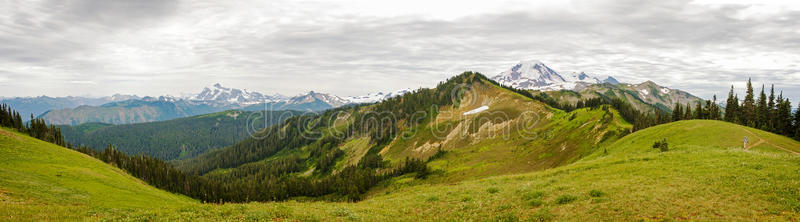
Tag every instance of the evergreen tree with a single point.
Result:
(731, 107)
(771, 109)
(677, 112)
(762, 111)
(748, 107)
(713, 109)
(688, 114)
(783, 116)
(797, 122)
(698, 110)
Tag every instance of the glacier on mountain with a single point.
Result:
(535, 75)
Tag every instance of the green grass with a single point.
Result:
(703, 176)
(39, 180)
(499, 141)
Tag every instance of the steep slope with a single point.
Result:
(644, 96)
(706, 177)
(177, 138)
(494, 131)
(42, 181)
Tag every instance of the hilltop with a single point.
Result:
(468, 127)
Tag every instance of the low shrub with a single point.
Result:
(596, 193)
(565, 199)
(661, 145)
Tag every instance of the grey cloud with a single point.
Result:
(674, 43)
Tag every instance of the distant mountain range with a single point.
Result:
(217, 98)
(535, 75)
(125, 109)
(28, 106)
(177, 138)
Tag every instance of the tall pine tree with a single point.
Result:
(677, 112)
(698, 110)
(731, 107)
(797, 122)
(783, 116)
(688, 114)
(762, 111)
(748, 107)
(771, 109)
(713, 109)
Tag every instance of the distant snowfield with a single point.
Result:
(479, 109)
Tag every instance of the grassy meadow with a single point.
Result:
(705, 175)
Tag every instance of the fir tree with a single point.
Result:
(783, 116)
(677, 112)
(698, 110)
(688, 114)
(731, 107)
(797, 122)
(748, 107)
(762, 111)
(713, 109)
(771, 109)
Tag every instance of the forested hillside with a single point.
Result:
(346, 151)
(178, 138)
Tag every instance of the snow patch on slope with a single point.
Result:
(477, 110)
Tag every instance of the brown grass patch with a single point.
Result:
(9, 134)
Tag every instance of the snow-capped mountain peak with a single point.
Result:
(535, 75)
(531, 73)
(219, 93)
(312, 96)
(376, 97)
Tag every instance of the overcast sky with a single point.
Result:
(353, 47)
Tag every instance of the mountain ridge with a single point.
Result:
(220, 98)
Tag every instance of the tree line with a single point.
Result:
(769, 113)
(35, 128)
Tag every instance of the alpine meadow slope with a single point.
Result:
(512, 134)
(697, 179)
(43, 181)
